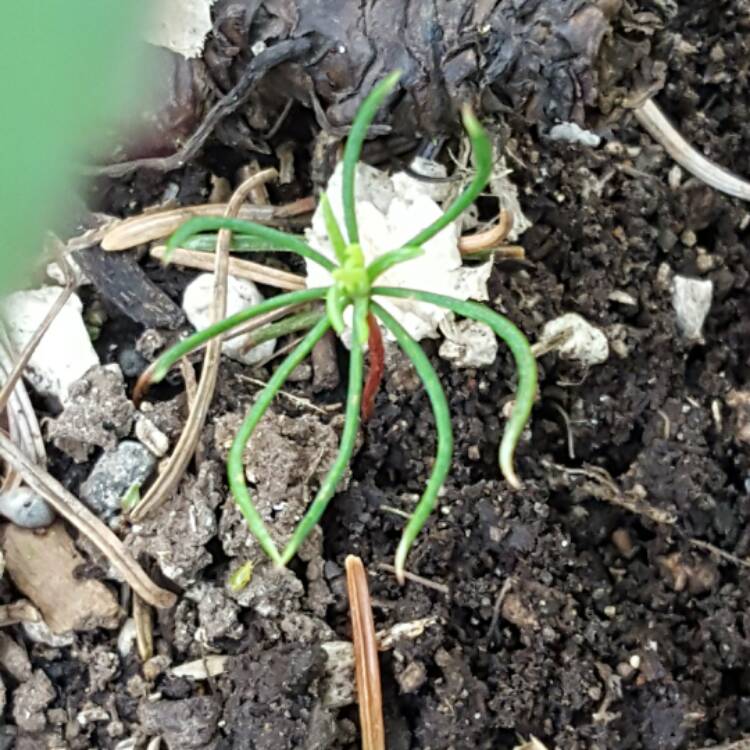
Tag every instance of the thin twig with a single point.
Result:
(482, 241)
(714, 550)
(299, 400)
(278, 352)
(441, 587)
(300, 321)
(242, 269)
(496, 609)
(606, 490)
(366, 664)
(568, 428)
(395, 511)
(77, 514)
(168, 480)
(279, 120)
(155, 226)
(656, 123)
(234, 98)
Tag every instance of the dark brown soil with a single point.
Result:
(567, 616)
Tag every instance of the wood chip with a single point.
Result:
(121, 281)
(43, 567)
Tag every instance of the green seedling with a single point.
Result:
(354, 284)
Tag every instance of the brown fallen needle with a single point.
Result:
(492, 239)
(366, 665)
(138, 230)
(243, 269)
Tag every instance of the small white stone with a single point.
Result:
(337, 684)
(691, 300)
(635, 661)
(468, 343)
(674, 178)
(151, 436)
(39, 632)
(211, 665)
(65, 352)
(585, 342)
(241, 294)
(570, 132)
(617, 295)
(126, 638)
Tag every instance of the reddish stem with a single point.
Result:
(376, 367)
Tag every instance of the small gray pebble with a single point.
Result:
(131, 363)
(25, 508)
(7, 737)
(113, 475)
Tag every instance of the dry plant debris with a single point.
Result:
(366, 664)
(73, 511)
(168, 479)
(656, 123)
(242, 269)
(157, 225)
